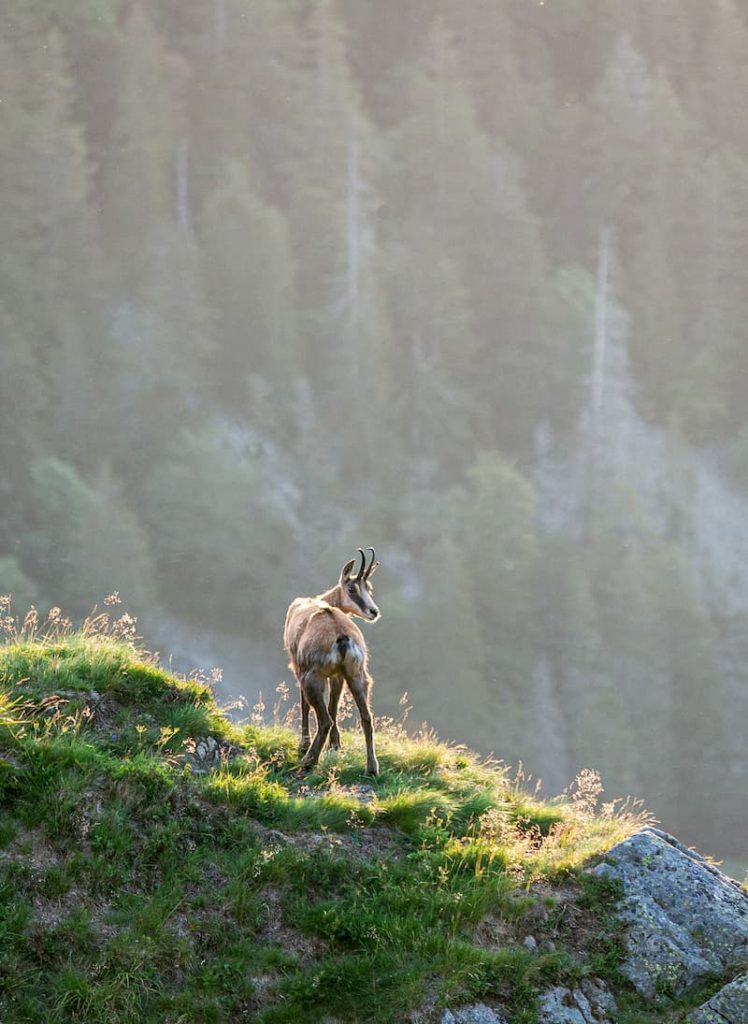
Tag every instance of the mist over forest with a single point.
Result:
(463, 281)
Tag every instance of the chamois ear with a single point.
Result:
(345, 572)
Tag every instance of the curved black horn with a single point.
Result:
(367, 574)
(363, 565)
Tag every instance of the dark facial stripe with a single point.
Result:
(355, 597)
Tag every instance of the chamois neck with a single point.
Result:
(331, 597)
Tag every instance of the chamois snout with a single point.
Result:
(355, 595)
(358, 601)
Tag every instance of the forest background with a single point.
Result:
(464, 281)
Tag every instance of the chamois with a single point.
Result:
(324, 643)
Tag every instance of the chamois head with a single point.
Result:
(355, 592)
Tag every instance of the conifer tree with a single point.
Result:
(20, 412)
(162, 341)
(50, 271)
(436, 350)
(507, 104)
(495, 516)
(451, 666)
(619, 116)
(84, 542)
(710, 265)
(140, 172)
(249, 278)
(725, 63)
(222, 497)
(244, 95)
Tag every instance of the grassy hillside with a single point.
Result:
(159, 863)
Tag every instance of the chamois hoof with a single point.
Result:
(373, 770)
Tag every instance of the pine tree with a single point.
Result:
(725, 63)
(494, 514)
(85, 542)
(244, 94)
(20, 412)
(621, 568)
(249, 278)
(436, 350)
(569, 653)
(469, 194)
(619, 118)
(217, 501)
(149, 125)
(382, 41)
(451, 665)
(162, 343)
(442, 160)
(710, 263)
(667, 34)
(652, 289)
(697, 704)
(50, 269)
(507, 104)
(16, 584)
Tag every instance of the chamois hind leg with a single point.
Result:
(305, 738)
(336, 687)
(314, 690)
(359, 685)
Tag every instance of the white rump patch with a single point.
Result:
(333, 659)
(354, 652)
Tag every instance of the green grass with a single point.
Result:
(135, 889)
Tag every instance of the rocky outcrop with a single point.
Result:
(478, 1013)
(728, 1006)
(685, 920)
(206, 752)
(591, 1003)
(685, 923)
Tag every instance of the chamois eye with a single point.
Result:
(351, 590)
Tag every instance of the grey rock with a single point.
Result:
(560, 1006)
(589, 1004)
(601, 999)
(684, 919)
(478, 1013)
(728, 1006)
(364, 793)
(539, 914)
(207, 752)
(530, 942)
(584, 1006)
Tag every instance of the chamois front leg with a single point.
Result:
(336, 687)
(313, 687)
(359, 686)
